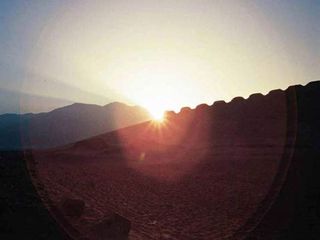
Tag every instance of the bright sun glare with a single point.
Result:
(157, 115)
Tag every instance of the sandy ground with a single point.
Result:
(180, 193)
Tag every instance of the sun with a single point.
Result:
(157, 114)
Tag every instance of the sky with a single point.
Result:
(157, 54)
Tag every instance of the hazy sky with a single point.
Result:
(158, 54)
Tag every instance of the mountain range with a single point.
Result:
(65, 125)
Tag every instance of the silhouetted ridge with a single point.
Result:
(253, 97)
(66, 124)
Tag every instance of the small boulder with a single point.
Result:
(219, 103)
(276, 92)
(237, 100)
(202, 107)
(255, 96)
(185, 110)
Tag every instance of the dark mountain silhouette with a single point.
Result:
(65, 125)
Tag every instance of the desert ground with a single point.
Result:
(194, 196)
